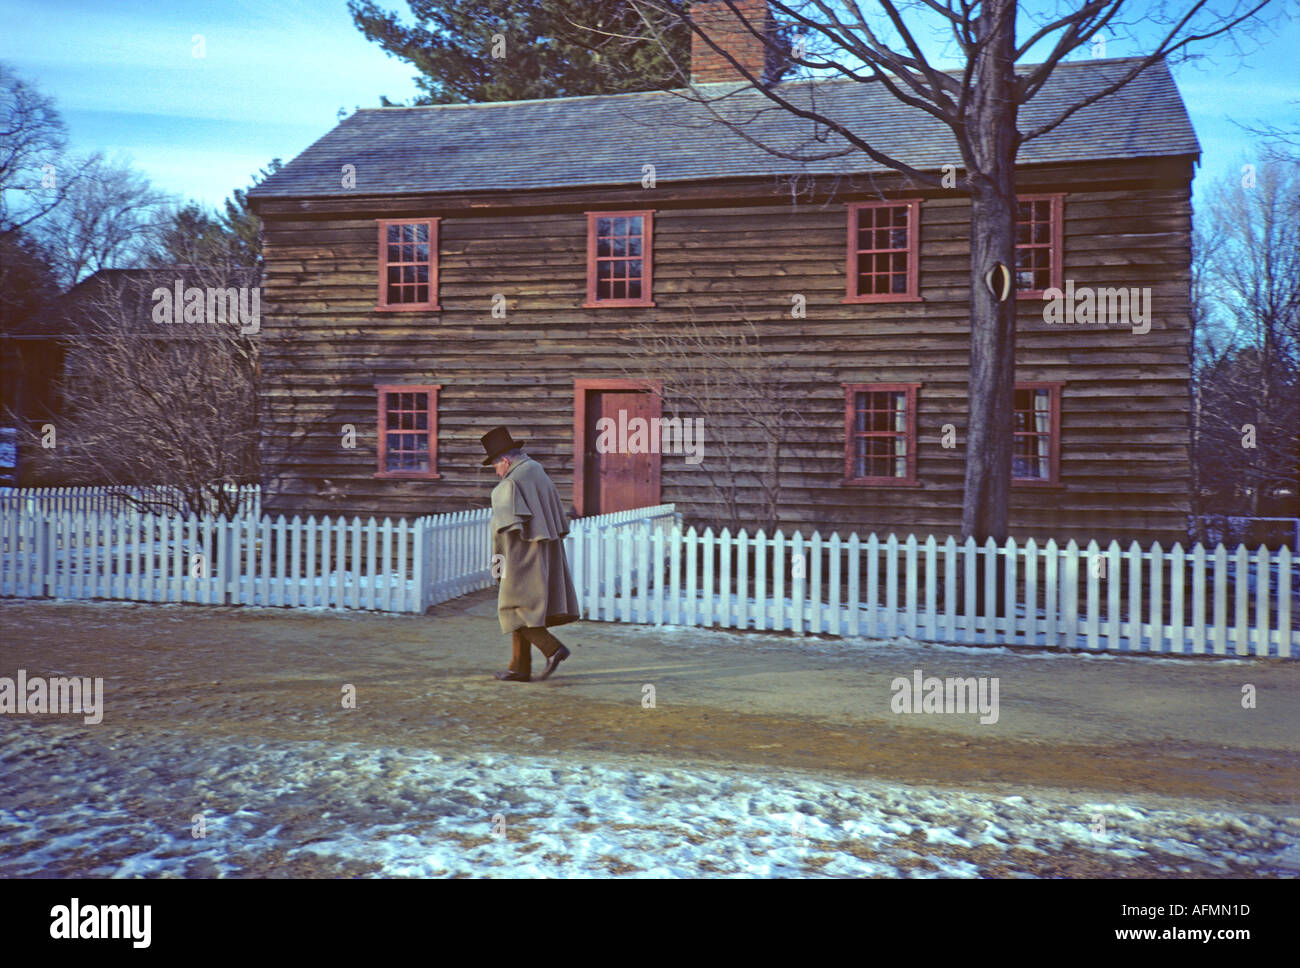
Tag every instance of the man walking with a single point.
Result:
(528, 526)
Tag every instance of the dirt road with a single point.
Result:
(1133, 725)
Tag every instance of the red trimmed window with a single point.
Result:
(408, 431)
(880, 433)
(1038, 244)
(618, 258)
(408, 264)
(884, 251)
(1036, 429)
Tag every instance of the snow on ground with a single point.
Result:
(111, 802)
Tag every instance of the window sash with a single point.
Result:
(883, 261)
(619, 258)
(408, 430)
(408, 264)
(880, 431)
(1038, 257)
(1035, 447)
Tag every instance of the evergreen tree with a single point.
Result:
(503, 50)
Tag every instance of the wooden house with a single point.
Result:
(432, 272)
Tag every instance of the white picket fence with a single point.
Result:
(331, 562)
(639, 566)
(54, 500)
(1175, 601)
(461, 545)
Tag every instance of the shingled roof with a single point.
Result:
(605, 139)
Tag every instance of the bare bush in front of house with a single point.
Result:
(150, 402)
(722, 374)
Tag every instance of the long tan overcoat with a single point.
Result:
(528, 523)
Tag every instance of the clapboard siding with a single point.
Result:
(725, 251)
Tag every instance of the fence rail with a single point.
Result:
(1176, 601)
(54, 500)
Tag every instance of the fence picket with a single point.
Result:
(1156, 573)
(1113, 596)
(1263, 571)
(910, 586)
(1241, 636)
(1177, 578)
(833, 584)
(1219, 631)
(706, 552)
(1283, 603)
(658, 572)
(778, 582)
(873, 586)
(1070, 596)
(1009, 594)
(854, 601)
(1198, 599)
(642, 533)
(970, 562)
(813, 583)
(1134, 597)
(798, 583)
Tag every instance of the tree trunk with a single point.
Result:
(991, 124)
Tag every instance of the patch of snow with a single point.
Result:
(106, 801)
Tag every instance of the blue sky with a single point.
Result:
(273, 76)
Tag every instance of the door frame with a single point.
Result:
(581, 388)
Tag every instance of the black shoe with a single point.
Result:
(560, 655)
(509, 676)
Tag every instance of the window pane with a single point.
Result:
(603, 226)
(634, 225)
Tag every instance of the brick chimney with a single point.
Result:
(716, 19)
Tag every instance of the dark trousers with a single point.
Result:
(522, 640)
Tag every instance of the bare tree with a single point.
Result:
(111, 216)
(980, 104)
(1247, 376)
(724, 376)
(154, 401)
(35, 172)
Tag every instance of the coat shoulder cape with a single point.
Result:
(526, 501)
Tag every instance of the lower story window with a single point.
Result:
(880, 433)
(408, 431)
(1036, 431)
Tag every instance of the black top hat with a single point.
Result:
(496, 442)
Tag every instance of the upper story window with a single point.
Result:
(618, 258)
(408, 264)
(1036, 428)
(1038, 243)
(884, 251)
(408, 431)
(880, 433)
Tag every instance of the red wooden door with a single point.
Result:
(620, 479)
